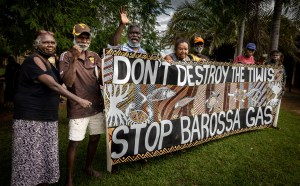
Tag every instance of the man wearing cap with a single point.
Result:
(248, 57)
(80, 71)
(198, 45)
(134, 35)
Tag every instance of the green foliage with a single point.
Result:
(5, 49)
(215, 22)
(25, 18)
(2, 71)
(218, 21)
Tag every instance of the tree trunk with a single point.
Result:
(244, 10)
(241, 37)
(274, 40)
(294, 74)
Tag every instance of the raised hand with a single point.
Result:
(76, 51)
(123, 16)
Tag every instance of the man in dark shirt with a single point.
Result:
(78, 68)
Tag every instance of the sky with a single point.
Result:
(164, 19)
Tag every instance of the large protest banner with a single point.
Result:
(153, 108)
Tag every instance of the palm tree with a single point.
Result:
(276, 25)
(292, 10)
(289, 18)
(198, 19)
(222, 22)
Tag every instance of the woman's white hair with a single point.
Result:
(38, 41)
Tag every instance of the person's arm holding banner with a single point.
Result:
(168, 59)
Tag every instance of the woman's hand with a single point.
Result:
(84, 103)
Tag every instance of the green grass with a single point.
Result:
(263, 157)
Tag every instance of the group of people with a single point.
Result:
(35, 159)
(248, 58)
(182, 54)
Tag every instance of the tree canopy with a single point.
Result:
(221, 23)
(21, 20)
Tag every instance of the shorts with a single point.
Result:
(77, 127)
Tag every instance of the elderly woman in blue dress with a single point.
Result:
(35, 126)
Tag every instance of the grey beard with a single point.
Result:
(133, 45)
(82, 46)
(198, 49)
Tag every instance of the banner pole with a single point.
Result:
(277, 114)
(108, 158)
(108, 150)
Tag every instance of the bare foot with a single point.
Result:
(93, 173)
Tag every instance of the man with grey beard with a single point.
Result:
(134, 35)
(197, 47)
(80, 71)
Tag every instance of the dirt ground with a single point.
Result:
(290, 101)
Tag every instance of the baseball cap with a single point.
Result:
(81, 28)
(251, 46)
(198, 40)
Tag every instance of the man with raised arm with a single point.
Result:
(134, 35)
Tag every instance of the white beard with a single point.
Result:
(83, 46)
(133, 45)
